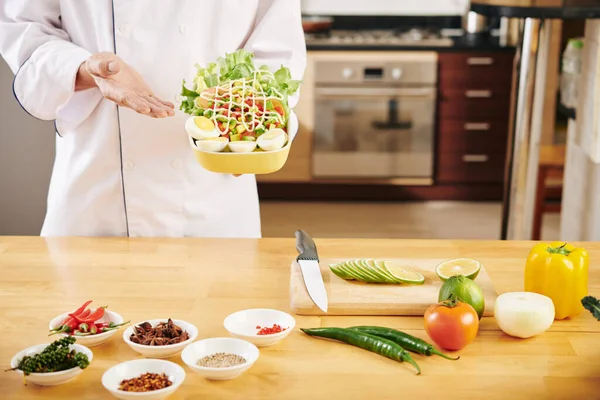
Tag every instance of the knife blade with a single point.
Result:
(308, 259)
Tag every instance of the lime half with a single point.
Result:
(458, 266)
(402, 274)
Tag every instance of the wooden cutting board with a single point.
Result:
(356, 298)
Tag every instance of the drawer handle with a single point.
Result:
(476, 126)
(478, 94)
(475, 158)
(480, 60)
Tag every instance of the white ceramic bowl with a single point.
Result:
(242, 324)
(91, 340)
(112, 378)
(195, 351)
(166, 351)
(50, 378)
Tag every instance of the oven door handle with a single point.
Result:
(375, 92)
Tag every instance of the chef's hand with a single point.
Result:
(120, 83)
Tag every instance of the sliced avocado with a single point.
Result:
(249, 138)
(235, 138)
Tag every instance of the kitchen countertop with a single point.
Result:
(204, 280)
(461, 43)
(567, 12)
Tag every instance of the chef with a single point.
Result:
(109, 73)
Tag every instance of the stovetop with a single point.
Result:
(360, 38)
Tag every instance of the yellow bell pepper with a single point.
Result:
(559, 271)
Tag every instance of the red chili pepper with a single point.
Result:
(95, 316)
(84, 314)
(82, 308)
(268, 331)
(93, 329)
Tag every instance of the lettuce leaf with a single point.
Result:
(236, 65)
(592, 304)
(188, 103)
(284, 80)
(206, 77)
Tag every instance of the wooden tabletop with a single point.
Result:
(204, 280)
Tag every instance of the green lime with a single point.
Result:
(465, 290)
(458, 266)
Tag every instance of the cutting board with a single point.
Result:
(357, 298)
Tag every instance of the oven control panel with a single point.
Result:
(409, 71)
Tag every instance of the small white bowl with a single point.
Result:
(166, 351)
(195, 351)
(91, 340)
(50, 378)
(112, 378)
(242, 324)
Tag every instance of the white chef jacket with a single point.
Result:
(119, 173)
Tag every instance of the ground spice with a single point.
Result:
(269, 331)
(145, 383)
(221, 360)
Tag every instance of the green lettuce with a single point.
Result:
(592, 304)
(235, 66)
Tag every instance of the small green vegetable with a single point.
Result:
(55, 357)
(409, 342)
(375, 344)
(592, 304)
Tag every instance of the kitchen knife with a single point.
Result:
(311, 272)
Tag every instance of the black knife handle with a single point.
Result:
(306, 246)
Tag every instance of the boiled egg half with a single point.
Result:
(272, 140)
(242, 146)
(201, 128)
(214, 145)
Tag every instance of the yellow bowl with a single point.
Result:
(255, 163)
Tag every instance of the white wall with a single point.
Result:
(26, 156)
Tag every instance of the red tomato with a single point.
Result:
(451, 325)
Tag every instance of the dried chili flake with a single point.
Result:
(145, 383)
(276, 328)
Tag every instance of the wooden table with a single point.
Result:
(202, 281)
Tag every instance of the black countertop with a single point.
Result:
(567, 12)
(462, 43)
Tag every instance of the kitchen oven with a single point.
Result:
(375, 118)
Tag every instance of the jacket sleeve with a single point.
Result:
(278, 38)
(40, 54)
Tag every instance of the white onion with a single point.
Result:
(524, 314)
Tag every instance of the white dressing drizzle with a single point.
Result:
(251, 92)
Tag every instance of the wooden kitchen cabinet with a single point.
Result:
(473, 117)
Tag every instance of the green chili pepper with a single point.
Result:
(409, 342)
(375, 344)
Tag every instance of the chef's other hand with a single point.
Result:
(122, 84)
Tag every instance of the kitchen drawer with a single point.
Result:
(475, 70)
(470, 167)
(470, 103)
(473, 136)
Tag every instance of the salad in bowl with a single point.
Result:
(235, 107)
